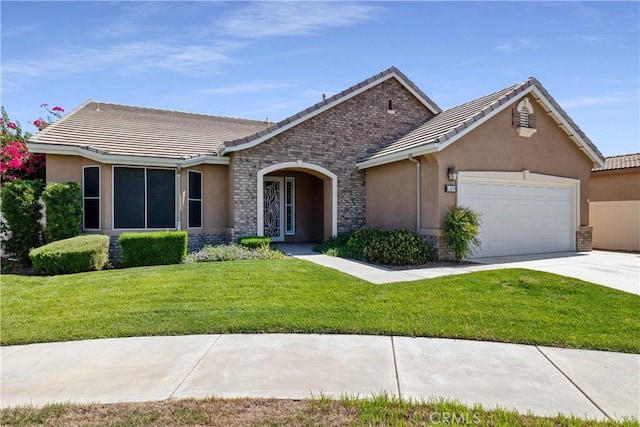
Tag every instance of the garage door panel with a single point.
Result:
(520, 218)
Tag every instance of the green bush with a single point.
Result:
(232, 253)
(22, 213)
(254, 242)
(157, 248)
(461, 228)
(63, 210)
(395, 247)
(81, 253)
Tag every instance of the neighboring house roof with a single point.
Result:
(105, 131)
(623, 161)
(445, 128)
(289, 122)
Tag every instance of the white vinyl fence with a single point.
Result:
(616, 225)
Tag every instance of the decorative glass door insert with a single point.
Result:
(273, 212)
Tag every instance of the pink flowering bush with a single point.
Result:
(15, 160)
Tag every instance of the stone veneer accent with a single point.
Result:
(584, 239)
(439, 246)
(195, 242)
(335, 140)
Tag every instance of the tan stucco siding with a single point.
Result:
(216, 216)
(495, 146)
(391, 196)
(215, 199)
(615, 185)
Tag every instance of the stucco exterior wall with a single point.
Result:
(215, 199)
(391, 196)
(334, 139)
(495, 146)
(216, 216)
(622, 184)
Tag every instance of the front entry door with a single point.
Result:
(273, 208)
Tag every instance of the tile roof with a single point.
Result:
(452, 122)
(623, 161)
(115, 129)
(333, 100)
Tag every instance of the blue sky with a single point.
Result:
(273, 59)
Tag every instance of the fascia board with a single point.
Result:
(398, 156)
(72, 150)
(568, 128)
(444, 144)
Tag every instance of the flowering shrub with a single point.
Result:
(15, 160)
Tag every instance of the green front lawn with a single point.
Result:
(290, 295)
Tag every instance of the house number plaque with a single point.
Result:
(449, 188)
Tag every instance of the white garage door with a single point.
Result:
(520, 217)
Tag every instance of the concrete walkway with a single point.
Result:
(546, 381)
(616, 270)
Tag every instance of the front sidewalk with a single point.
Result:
(544, 380)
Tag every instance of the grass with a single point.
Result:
(322, 411)
(291, 295)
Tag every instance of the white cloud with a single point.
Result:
(248, 87)
(516, 44)
(590, 101)
(272, 19)
(17, 31)
(125, 58)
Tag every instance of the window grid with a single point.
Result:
(196, 201)
(86, 198)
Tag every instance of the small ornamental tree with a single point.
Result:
(15, 160)
(461, 228)
(63, 210)
(21, 212)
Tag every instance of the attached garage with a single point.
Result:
(522, 213)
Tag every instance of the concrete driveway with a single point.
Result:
(616, 270)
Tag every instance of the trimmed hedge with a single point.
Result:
(156, 248)
(255, 242)
(22, 213)
(63, 208)
(77, 254)
(394, 247)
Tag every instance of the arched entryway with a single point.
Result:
(297, 201)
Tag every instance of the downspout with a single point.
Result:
(179, 199)
(418, 192)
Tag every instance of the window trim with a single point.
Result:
(189, 199)
(113, 200)
(290, 228)
(99, 198)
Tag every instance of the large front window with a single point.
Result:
(144, 198)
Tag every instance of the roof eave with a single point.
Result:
(398, 156)
(102, 157)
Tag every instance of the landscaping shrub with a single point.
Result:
(232, 253)
(254, 242)
(22, 213)
(81, 253)
(63, 210)
(157, 248)
(395, 247)
(461, 228)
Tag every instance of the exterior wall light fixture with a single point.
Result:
(452, 173)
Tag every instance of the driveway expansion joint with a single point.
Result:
(195, 365)
(395, 367)
(584, 393)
